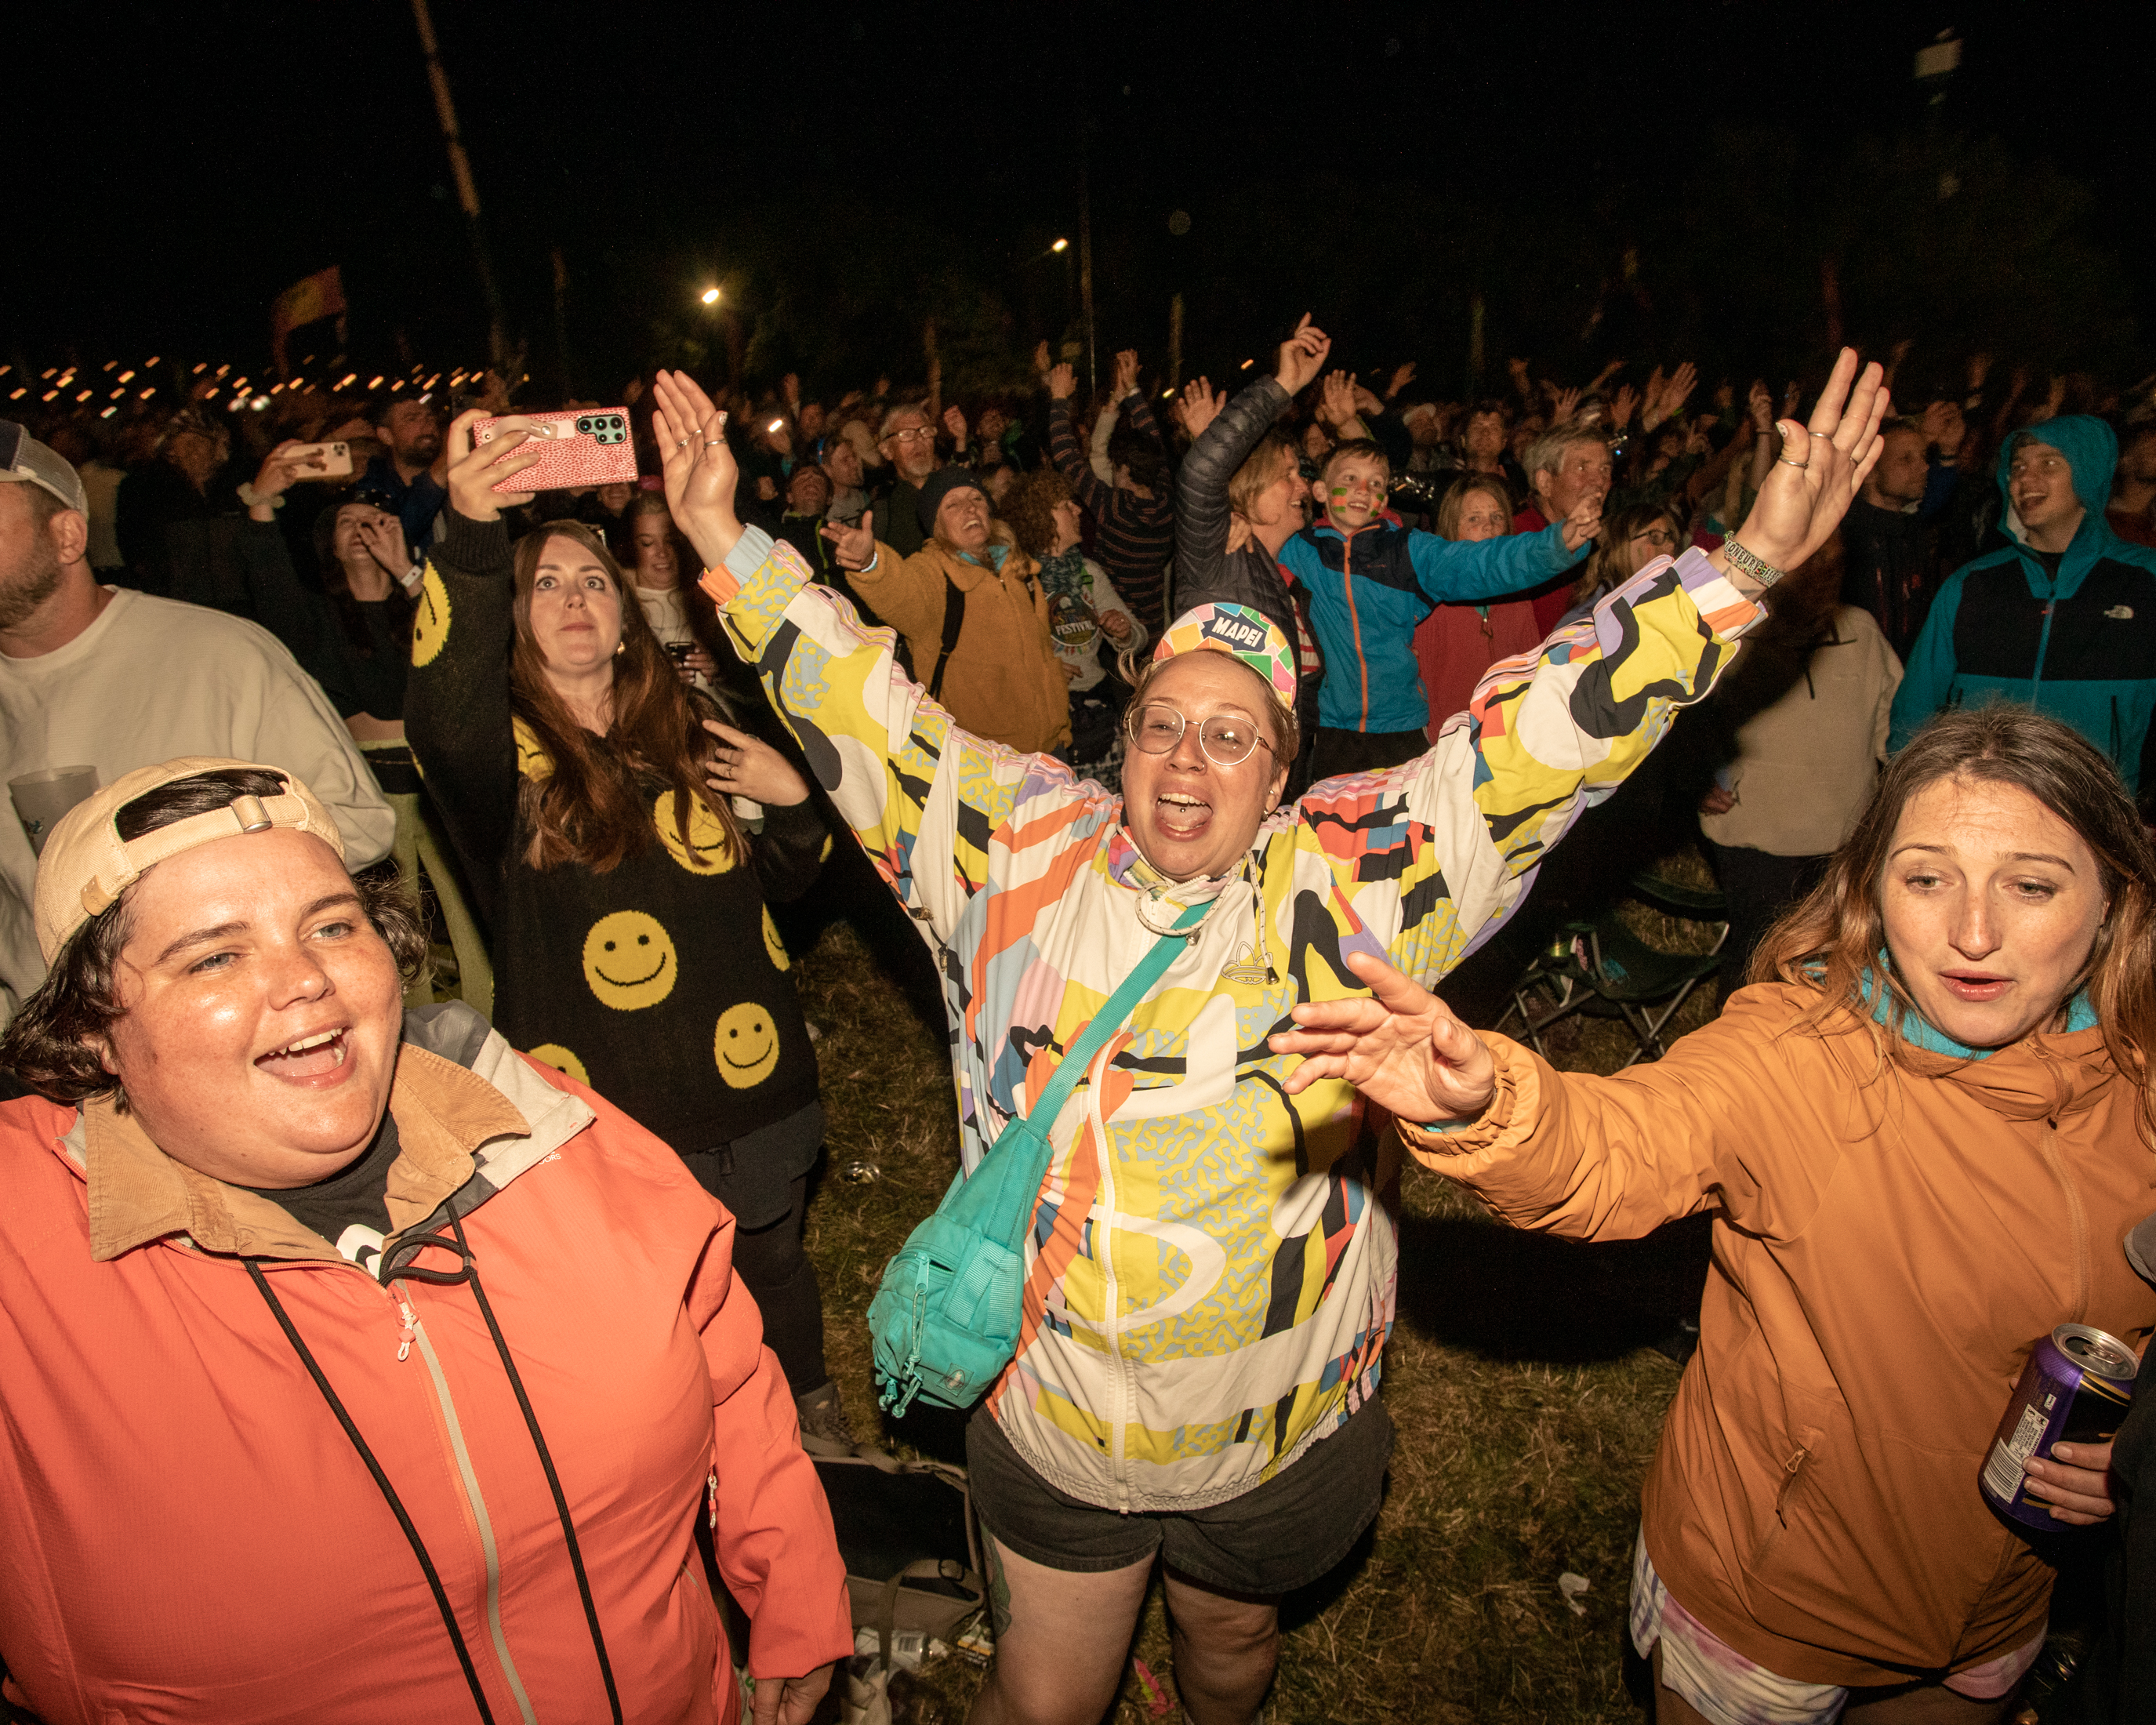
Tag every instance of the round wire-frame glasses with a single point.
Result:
(1226, 739)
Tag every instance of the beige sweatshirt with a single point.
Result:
(152, 679)
(1807, 764)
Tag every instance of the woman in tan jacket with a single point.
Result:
(1924, 1133)
(973, 614)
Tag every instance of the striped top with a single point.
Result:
(1136, 533)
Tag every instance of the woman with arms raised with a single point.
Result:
(1211, 1263)
(589, 792)
(1924, 1133)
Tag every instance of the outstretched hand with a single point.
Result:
(701, 474)
(1062, 383)
(1583, 523)
(1807, 487)
(1302, 357)
(853, 546)
(1337, 404)
(1199, 407)
(1400, 1045)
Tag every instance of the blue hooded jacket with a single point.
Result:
(2080, 646)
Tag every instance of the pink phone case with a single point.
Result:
(588, 448)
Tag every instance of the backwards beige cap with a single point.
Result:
(87, 865)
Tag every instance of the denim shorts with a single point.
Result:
(1276, 1537)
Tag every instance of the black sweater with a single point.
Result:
(662, 983)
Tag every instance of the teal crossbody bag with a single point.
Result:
(945, 1321)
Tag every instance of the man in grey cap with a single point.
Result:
(110, 678)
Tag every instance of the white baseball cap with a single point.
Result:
(26, 460)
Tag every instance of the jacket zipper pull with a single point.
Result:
(711, 1500)
(411, 1324)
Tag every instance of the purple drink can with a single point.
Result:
(2075, 1389)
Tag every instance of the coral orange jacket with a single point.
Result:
(186, 1533)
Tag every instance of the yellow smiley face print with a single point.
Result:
(746, 1045)
(532, 760)
(708, 852)
(430, 620)
(772, 944)
(629, 961)
(552, 1053)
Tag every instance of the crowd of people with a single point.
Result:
(407, 905)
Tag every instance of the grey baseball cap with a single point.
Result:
(22, 458)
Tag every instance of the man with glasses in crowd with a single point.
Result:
(908, 442)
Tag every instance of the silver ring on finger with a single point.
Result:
(712, 443)
(1828, 435)
(680, 443)
(1784, 461)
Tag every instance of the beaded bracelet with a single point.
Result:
(1766, 574)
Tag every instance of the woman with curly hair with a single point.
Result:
(1086, 616)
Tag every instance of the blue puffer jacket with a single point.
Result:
(2080, 645)
(1370, 589)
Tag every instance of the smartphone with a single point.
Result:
(589, 448)
(322, 461)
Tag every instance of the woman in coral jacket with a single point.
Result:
(358, 1367)
(1924, 1134)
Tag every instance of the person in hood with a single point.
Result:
(1210, 1272)
(358, 1367)
(2063, 618)
(1923, 1134)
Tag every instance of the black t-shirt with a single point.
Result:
(2049, 559)
(355, 1193)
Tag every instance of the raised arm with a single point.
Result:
(1063, 448)
(1202, 509)
(1433, 854)
(1463, 571)
(922, 796)
(457, 712)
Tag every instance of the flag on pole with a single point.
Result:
(321, 296)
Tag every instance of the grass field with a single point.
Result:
(1526, 1398)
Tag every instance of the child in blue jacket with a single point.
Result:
(1371, 581)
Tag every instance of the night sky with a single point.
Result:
(179, 165)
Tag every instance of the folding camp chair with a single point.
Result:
(1597, 967)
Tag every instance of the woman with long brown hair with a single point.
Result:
(1924, 1133)
(598, 803)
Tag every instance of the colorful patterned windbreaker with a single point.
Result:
(1212, 1268)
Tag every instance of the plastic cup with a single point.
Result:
(43, 797)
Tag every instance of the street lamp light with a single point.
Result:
(710, 296)
(1061, 246)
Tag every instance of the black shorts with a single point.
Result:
(1279, 1535)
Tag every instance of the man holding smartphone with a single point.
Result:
(408, 477)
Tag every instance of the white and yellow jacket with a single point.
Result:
(1212, 1269)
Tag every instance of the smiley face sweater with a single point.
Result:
(662, 983)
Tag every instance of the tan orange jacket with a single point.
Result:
(1888, 1246)
(1004, 681)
